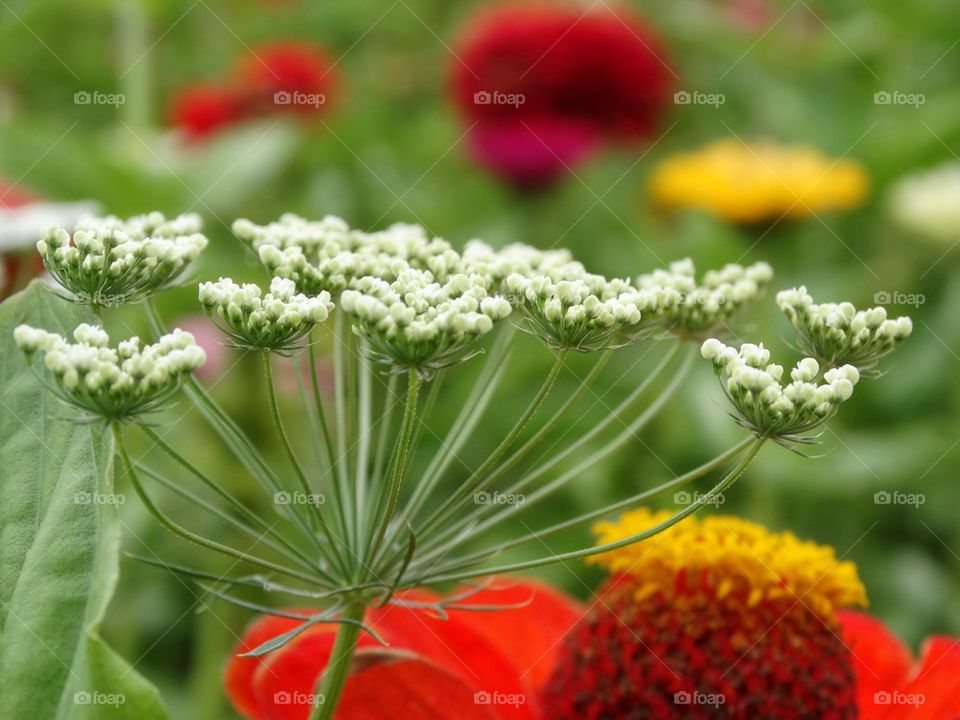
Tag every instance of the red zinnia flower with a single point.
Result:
(586, 73)
(722, 618)
(470, 666)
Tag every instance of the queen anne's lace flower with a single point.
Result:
(836, 333)
(328, 255)
(520, 259)
(769, 408)
(276, 321)
(584, 314)
(110, 261)
(416, 322)
(113, 383)
(689, 309)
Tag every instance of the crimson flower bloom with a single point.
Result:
(286, 76)
(206, 108)
(554, 81)
(470, 666)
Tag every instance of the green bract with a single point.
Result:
(109, 261)
(276, 321)
(836, 333)
(113, 383)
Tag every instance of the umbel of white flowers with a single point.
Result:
(328, 255)
(767, 407)
(584, 314)
(109, 261)
(836, 333)
(276, 321)
(113, 383)
(689, 309)
(416, 322)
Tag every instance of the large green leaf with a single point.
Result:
(59, 544)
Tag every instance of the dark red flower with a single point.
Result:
(472, 665)
(598, 72)
(204, 109)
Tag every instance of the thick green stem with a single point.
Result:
(334, 677)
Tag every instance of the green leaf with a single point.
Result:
(59, 544)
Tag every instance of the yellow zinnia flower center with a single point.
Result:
(731, 559)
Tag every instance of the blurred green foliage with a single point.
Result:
(391, 149)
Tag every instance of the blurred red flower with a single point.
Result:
(890, 685)
(469, 666)
(286, 76)
(556, 70)
(206, 108)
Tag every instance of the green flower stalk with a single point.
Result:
(348, 522)
(109, 261)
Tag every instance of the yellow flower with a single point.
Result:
(758, 182)
(735, 559)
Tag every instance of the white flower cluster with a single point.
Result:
(109, 261)
(276, 321)
(417, 322)
(836, 333)
(689, 309)
(926, 203)
(519, 259)
(113, 383)
(769, 408)
(583, 314)
(328, 255)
